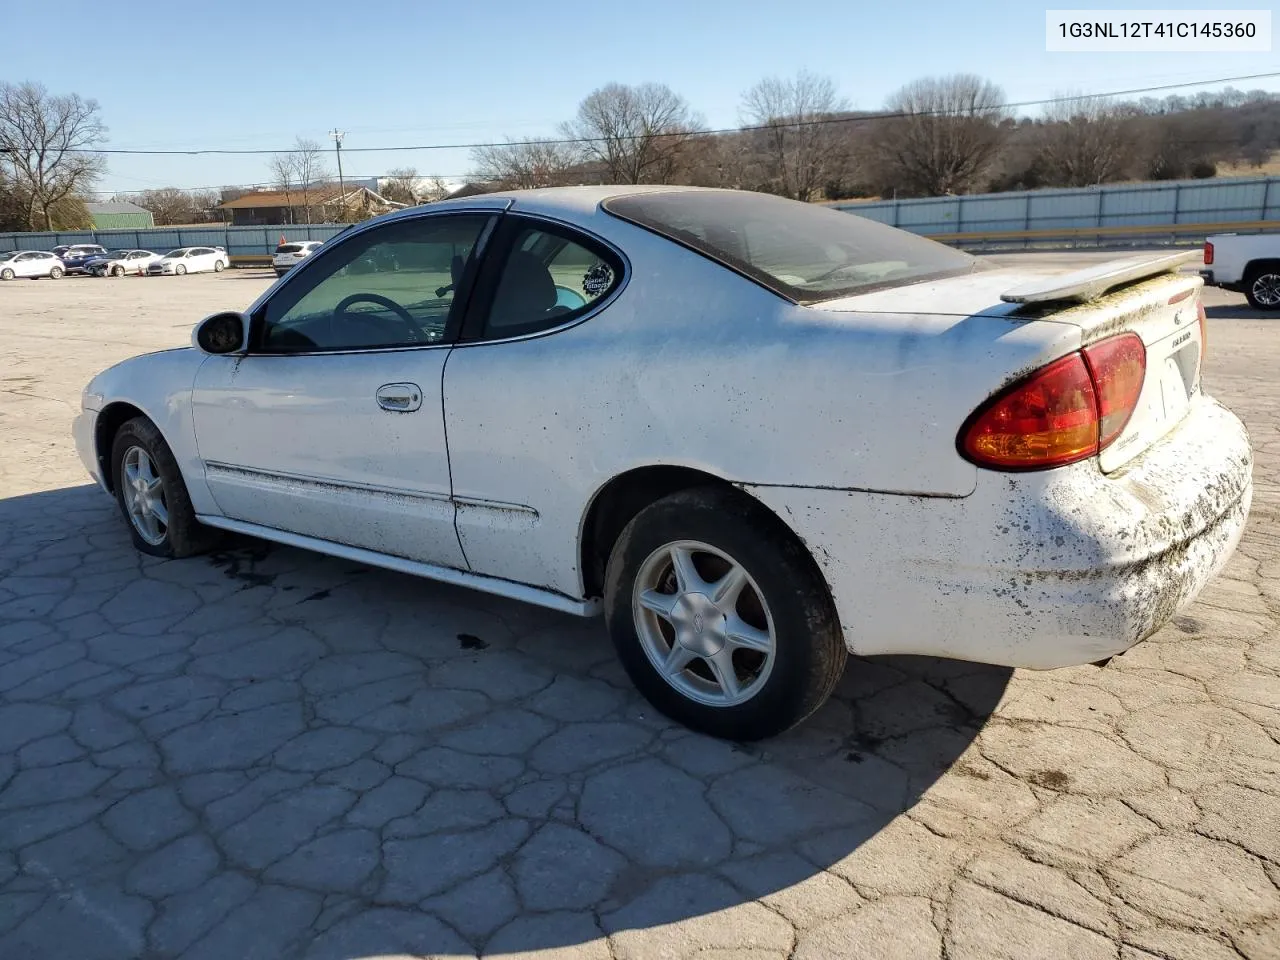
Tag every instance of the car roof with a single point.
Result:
(553, 200)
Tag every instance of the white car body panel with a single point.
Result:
(841, 418)
(1095, 562)
(300, 442)
(31, 263)
(1233, 253)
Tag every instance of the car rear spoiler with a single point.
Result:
(1090, 283)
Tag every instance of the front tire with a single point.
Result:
(1262, 288)
(720, 617)
(152, 495)
(179, 270)
(6, 274)
(117, 271)
(55, 273)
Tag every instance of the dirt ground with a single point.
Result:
(267, 753)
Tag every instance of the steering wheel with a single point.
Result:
(403, 315)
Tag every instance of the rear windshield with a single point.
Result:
(802, 251)
(289, 248)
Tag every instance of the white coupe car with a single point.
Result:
(31, 264)
(755, 433)
(190, 260)
(117, 263)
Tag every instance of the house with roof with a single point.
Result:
(119, 215)
(314, 203)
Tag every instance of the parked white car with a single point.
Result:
(755, 433)
(1247, 264)
(117, 263)
(190, 260)
(289, 255)
(32, 264)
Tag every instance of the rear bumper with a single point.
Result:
(1041, 570)
(1211, 280)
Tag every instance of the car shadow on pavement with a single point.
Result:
(269, 752)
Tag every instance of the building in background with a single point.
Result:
(119, 215)
(319, 203)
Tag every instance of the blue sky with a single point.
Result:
(241, 75)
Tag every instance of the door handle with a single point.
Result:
(400, 397)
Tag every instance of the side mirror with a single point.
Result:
(221, 333)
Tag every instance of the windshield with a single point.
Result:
(175, 253)
(118, 253)
(9, 256)
(802, 251)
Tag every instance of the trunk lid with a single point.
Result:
(1144, 295)
(1163, 310)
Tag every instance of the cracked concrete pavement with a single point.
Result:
(267, 753)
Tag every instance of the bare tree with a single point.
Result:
(437, 189)
(309, 169)
(1086, 141)
(171, 205)
(281, 167)
(401, 185)
(523, 165)
(47, 141)
(946, 136)
(797, 154)
(637, 133)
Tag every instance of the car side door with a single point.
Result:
(331, 426)
(519, 459)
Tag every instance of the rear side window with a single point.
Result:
(802, 251)
(550, 276)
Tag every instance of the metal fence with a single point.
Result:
(238, 241)
(1171, 211)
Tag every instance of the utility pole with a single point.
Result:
(337, 146)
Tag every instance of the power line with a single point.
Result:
(715, 132)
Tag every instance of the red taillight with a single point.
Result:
(1118, 365)
(1062, 413)
(1208, 253)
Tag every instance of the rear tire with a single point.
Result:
(55, 273)
(1262, 288)
(219, 266)
(744, 665)
(171, 531)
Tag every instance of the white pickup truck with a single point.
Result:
(1247, 264)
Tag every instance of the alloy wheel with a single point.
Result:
(1266, 289)
(144, 498)
(704, 623)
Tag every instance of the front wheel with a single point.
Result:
(179, 270)
(55, 273)
(720, 617)
(152, 495)
(117, 271)
(6, 274)
(1262, 288)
